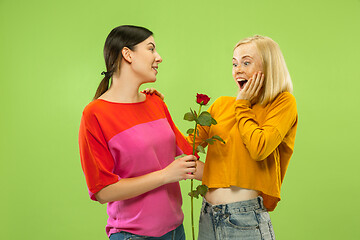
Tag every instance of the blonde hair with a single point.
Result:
(277, 77)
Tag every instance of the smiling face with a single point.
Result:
(246, 62)
(145, 60)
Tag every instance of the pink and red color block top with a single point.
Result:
(125, 140)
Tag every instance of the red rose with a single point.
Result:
(202, 99)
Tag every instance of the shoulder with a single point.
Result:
(284, 98)
(220, 101)
(226, 99)
(287, 96)
(155, 98)
(284, 102)
(155, 102)
(93, 109)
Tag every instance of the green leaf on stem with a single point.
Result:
(200, 190)
(213, 121)
(210, 141)
(194, 193)
(205, 119)
(189, 116)
(190, 131)
(180, 156)
(218, 138)
(200, 149)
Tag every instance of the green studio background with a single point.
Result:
(50, 64)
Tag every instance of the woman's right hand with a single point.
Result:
(151, 91)
(180, 169)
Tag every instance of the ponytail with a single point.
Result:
(103, 87)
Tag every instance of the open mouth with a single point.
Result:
(242, 82)
(155, 68)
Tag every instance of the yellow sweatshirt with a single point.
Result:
(259, 143)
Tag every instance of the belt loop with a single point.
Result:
(226, 209)
(260, 202)
(173, 234)
(205, 206)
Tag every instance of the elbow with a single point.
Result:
(258, 157)
(99, 198)
(258, 150)
(257, 154)
(260, 154)
(102, 202)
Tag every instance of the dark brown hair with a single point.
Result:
(120, 37)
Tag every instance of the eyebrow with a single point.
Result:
(243, 57)
(246, 56)
(151, 44)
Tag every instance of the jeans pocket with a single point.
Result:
(242, 221)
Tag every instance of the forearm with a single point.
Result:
(260, 141)
(179, 169)
(199, 170)
(130, 187)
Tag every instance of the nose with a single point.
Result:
(158, 58)
(238, 69)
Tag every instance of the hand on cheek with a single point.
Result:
(252, 88)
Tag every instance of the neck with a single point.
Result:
(124, 88)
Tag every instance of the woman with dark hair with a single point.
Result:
(128, 143)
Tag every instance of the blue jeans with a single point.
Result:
(177, 234)
(240, 220)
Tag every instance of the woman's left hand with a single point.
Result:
(252, 88)
(151, 91)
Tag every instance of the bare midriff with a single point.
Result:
(232, 194)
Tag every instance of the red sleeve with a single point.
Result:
(181, 142)
(96, 159)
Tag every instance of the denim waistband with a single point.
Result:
(236, 207)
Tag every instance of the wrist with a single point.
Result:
(161, 176)
(241, 96)
(243, 102)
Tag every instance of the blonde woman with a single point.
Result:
(244, 175)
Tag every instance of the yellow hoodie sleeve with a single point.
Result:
(261, 139)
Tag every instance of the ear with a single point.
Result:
(126, 53)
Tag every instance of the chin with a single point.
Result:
(150, 80)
